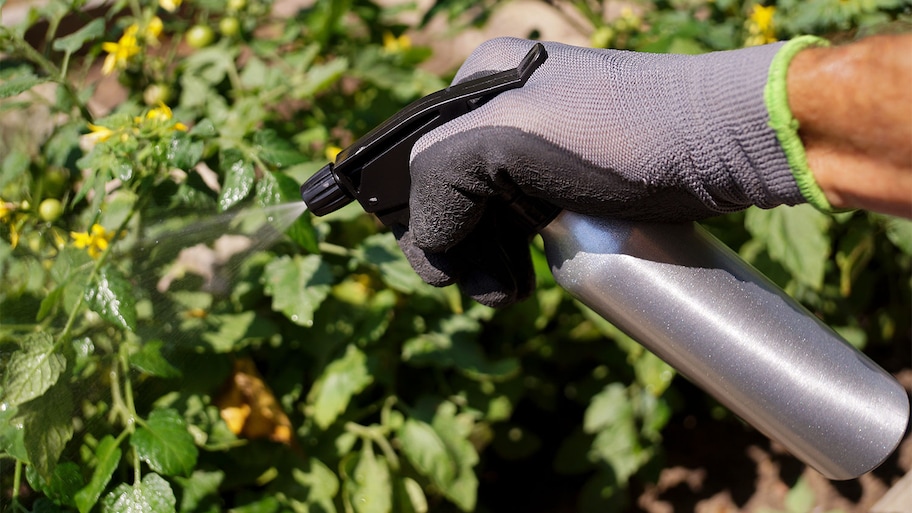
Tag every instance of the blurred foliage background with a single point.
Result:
(176, 336)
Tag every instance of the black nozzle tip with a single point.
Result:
(322, 194)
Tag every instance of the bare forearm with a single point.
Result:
(854, 107)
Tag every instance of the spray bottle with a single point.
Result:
(674, 288)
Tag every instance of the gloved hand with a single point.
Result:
(602, 132)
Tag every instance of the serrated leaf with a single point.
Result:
(796, 237)
(370, 490)
(276, 150)
(426, 451)
(298, 285)
(32, 370)
(165, 444)
(152, 495)
(48, 426)
(107, 457)
(150, 360)
(235, 331)
(111, 296)
(340, 381)
(63, 483)
(239, 178)
(184, 152)
(73, 42)
(18, 85)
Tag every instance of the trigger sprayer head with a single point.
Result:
(322, 193)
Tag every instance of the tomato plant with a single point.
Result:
(176, 335)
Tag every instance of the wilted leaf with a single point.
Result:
(298, 285)
(32, 370)
(165, 444)
(111, 296)
(342, 379)
(152, 495)
(250, 408)
(107, 456)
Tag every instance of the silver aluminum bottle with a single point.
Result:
(697, 305)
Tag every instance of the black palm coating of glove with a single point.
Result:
(600, 132)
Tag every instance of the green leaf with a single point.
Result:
(64, 482)
(200, 490)
(800, 498)
(49, 302)
(899, 231)
(32, 370)
(165, 444)
(320, 77)
(453, 343)
(14, 165)
(150, 360)
(239, 178)
(183, 151)
(610, 417)
(107, 457)
(340, 381)
(382, 250)
(455, 430)
(426, 451)
(370, 490)
(18, 85)
(73, 42)
(11, 434)
(410, 497)
(321, 483)
(279, 189)
(48, 426)
(606, 408)
(236, 331)
(112, 297)
(276, 150)
(796, 237)
(152, 495)
(298, 285)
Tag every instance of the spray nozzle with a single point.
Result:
(375, 169)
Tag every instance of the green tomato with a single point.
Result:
(54, 181)
(236, 5)
(157, 93)
(50, 209)
(200, 36)
(229, 27)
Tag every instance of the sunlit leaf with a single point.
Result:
(239, 178)
(200, 490)
(276, 150)
(370, 489)
(152, 495)
(165, 444)
(277, 188)
(796, 237)
(340, 381)
(75, 41)
(298, 284)
(150, 360)
(322, 484)
(112, 297)
(426, 451)
(20, 84)
(32, 370)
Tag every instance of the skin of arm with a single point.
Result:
(853, 104)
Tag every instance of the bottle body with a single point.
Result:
(694, 303)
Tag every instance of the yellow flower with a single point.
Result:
(169, 5)
(122, 51)
(95, 241)
(4, 209)
(98, 133)
(760, 26)
(162, 113)
(393, 44)
(153, 30)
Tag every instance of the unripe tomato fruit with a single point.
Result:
(229, 27)
(50, 209)
(157, 93)
(200, 36)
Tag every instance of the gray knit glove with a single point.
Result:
(602, 132)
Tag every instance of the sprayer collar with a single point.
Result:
(322, 194)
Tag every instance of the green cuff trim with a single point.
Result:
(785, 125)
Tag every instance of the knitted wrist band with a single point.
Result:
(786, 126)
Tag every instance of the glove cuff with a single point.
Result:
(784, 124)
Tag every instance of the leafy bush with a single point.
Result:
(176, 336)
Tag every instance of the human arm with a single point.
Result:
(853, 104)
